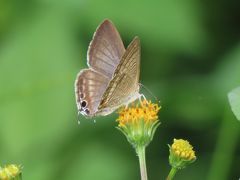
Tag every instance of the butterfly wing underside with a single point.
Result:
(103, 57)
(125, 80)
(106, 49)
(90, 86)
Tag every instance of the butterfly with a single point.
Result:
(112, 79)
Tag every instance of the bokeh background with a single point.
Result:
(190, 61)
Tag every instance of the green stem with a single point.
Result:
(19, 177)
(172, 173)
(142, 162)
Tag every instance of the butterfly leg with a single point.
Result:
(142, 99)
(132, 99)
(142, 96)
(126, 105)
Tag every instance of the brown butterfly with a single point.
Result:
(112, 79)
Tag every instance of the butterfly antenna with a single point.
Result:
(150, 92)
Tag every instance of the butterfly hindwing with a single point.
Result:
(89, 88)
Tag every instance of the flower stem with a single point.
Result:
(19, 178)
(172, 173)
(142, 161)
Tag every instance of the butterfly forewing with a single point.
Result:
(106, 49)
(125, 80)
(89, 88)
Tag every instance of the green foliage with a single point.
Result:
(190, 60)
(234, 100)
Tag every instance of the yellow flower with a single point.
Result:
(181, 153)
(3, 174)
(183, 149)
(139, 122)
(10, 172)
(131, 115)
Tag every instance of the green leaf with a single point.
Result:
(234, 100)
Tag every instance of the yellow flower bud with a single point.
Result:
(182, 148)
(181, 154)
(10, 172)
(3, 174)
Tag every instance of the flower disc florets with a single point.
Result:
(181, 153)
(139, 122)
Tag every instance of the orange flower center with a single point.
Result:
(132, 115)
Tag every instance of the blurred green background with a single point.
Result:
(190, 60)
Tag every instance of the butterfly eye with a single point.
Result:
(83, 104)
